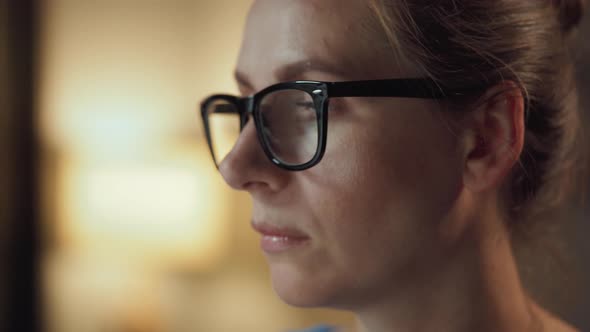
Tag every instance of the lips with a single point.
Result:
(277, 239)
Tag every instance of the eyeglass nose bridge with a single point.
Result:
(245, 108)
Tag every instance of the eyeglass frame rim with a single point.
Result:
(321, 92)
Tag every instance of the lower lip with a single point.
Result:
(276, 244)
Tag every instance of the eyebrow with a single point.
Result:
(294, 71)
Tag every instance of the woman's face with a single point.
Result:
(372, 210)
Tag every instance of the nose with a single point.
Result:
(247, 168)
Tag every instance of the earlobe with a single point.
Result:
(494, 137)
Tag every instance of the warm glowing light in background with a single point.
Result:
(163, 212)
(119, 95)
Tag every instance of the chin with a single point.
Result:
(302, 288)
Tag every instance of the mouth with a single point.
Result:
(277, 239)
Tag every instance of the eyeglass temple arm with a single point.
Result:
(225, 109)
(409, 88)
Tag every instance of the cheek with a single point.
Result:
(376, 198)
(387, 169)
(371, 208)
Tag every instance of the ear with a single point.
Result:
(494, 137)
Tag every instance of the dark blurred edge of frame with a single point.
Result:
(19, 245)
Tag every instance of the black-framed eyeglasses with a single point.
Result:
(291, 118)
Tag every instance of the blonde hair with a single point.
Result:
(466, 43)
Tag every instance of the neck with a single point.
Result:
(473, 287)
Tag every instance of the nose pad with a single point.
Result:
(244, 119)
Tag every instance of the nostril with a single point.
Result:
(249, 172)
(236, 179)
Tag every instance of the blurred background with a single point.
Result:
(112, 215)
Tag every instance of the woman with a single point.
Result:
(395, 192)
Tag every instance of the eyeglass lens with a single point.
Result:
(289, 126)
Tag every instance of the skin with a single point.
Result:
(403, 214)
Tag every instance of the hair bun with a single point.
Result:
(570, 13)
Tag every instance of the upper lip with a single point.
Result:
(281, 231)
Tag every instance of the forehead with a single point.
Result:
(337, 34)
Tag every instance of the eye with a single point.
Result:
(305, 111)
(307, 105)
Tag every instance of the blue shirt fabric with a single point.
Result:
(320, 328)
